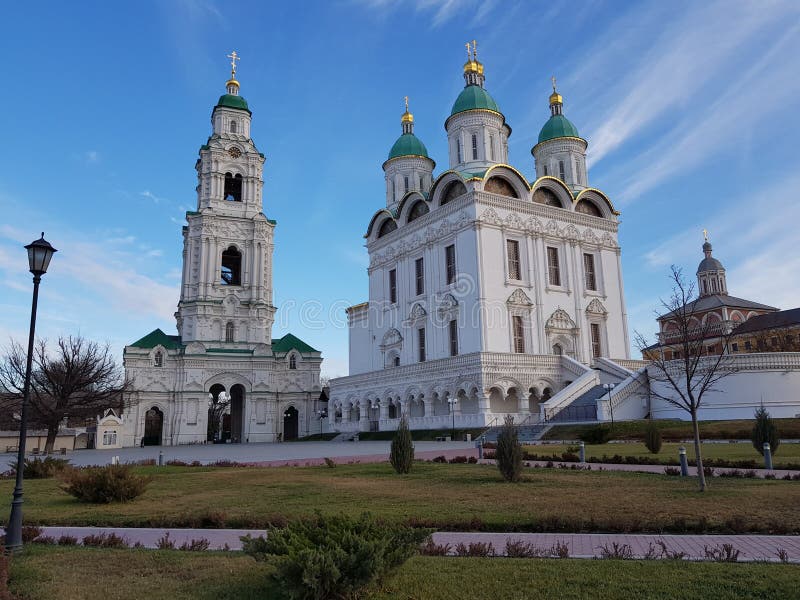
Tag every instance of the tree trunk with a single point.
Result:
(52, 432)
(697, 454)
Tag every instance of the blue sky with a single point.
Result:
(690, 109)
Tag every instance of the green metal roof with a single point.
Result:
(290, 342)
(408, 145)
(156, 337)
(472, 97)
(557, 126)
(231, 101)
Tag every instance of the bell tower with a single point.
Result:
(226, 290)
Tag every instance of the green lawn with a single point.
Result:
(787, 453)
(679, 430)
(440, 495)
(46, 572)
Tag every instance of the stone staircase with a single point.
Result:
(527, 433)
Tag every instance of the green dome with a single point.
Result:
(557, 126)
(231, 101)
(408, 145)
(472, 97)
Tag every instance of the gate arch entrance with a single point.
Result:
(153, 427)
(290, 423)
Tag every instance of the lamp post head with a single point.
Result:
(39, 254)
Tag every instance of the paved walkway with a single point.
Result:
(581, 545)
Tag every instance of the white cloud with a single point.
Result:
(91, 156)
(151, 196)
(440, 11)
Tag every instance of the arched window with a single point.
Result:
(293, 361)
(233, 187)
(387, 226)
(233, 127)
(558, 350)
(229, 332)
(546, 196)
(458, 156)
(158, 359)
(561, 173)
(405, 184)
(588, 208)
(453, 190)
(498, 185)
(474, 147)
(419, 209)
(231, 267)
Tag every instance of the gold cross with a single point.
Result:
(705, 234)
(553, 79)
(475, 49)
(469, 56)
(234, 57)
(406, 99)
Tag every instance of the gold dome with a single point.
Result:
(231, 82)
(407, 117)
(555, 98)
(473, 66)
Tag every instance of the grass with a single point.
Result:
(44, 572)
(787, 453)
(675, 430)
(458, 497)
(420, 435)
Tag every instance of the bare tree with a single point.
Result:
(78, 379)
(686, 377)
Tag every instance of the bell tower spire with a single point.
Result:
(232, 85)
(473, 69)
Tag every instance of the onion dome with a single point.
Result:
(408, 144)
(474, 96)
(232, 99)
(557, 125)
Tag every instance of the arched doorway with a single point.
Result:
(237, 414)
(153, 427)
(290, 423)
(217, 406)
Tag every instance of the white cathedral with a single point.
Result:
(224, 354)
(489, 295)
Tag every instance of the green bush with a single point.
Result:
(42, 468)
(402, 452)
(334, 556)
(765, 430)
(509, 451)
(652, 438)
(599, 434)
(101, 485)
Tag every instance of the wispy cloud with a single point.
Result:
(91, 156)
(672, 71)
(439, 11)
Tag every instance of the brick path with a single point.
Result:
(581, 545)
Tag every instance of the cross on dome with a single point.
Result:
(234, 57)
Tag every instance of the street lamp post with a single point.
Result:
(452, 402)
(321, 414)
(39, 254)
(608, 387)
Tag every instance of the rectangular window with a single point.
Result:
(458, 151)
(512, 248)
(735, 347)
(519, 334)
(545, 171)
(406, 183)
(553, 270)
(588, 270)
(748, 346)
(453, 338)
(491, 147)
(474, 147)
(596, 347)
(393, 286)
(419, 269)
(561, 170)
(711, 349)
(421, 343)
(421, 187)
(774, 341)
(450, 263)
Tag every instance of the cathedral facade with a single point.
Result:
(489, 293)
(223, 377)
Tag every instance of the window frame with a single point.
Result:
(453, 331)
(419, 275)
(518, 334)
(450, 264)
(553, 268)
(596, 340)
(590, 278)
(421, 349)
(474, 146)
(393, 286)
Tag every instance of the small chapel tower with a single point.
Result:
(226, 294)
(710, 273)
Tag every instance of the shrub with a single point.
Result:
(765, 430)
(616, 551)
(458, 460)
(652, 438)
(105, 540)
(672, 471)
(30, 533)
(402, 452)
(599, 434)
(334, 556)
(509, 451)
(5, 559)
(330, 463)
(42, 468)
(429, 548)
(475, 549)
(722, 553)
(200, 545)
(521, 549)
(472, 460)
(67, 540)
(101, 485)
(440, 459)
(164, 543)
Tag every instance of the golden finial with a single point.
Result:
(406, 100)
(469, 55)
(234, 57)
(474, 50)
(705, 234)
(555, 97)
(553, 79)
(407, 116)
